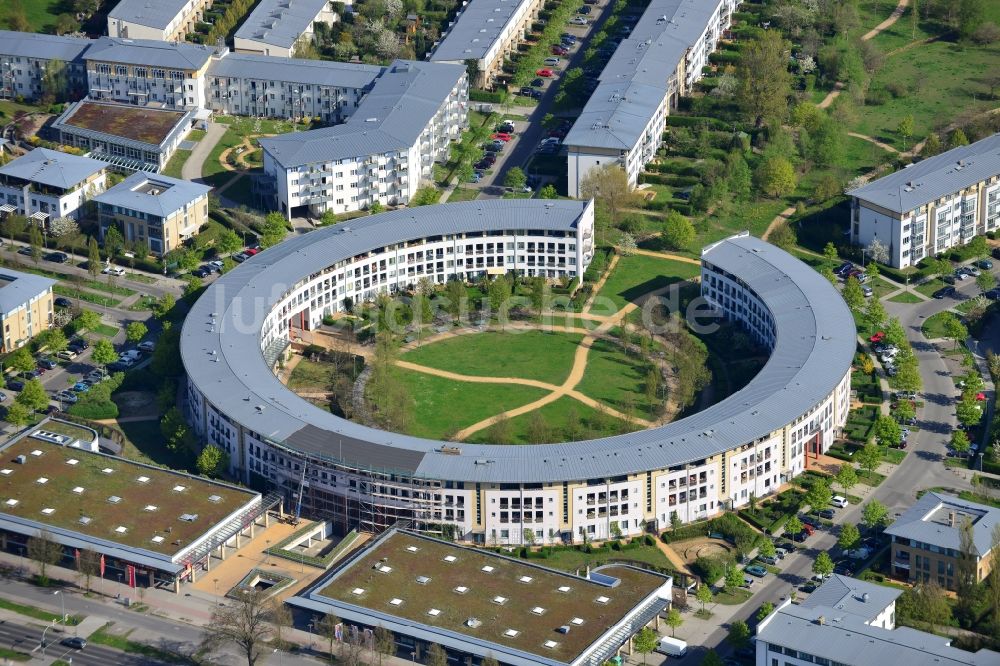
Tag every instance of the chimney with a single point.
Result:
(821, 620)
(951, 518)
(587, 575)
(865, 597)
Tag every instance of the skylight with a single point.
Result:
(423, 580)
(488, 569)
(108, 470)
(564, 588)
(358, 591)
(450, 558)
(47, 511)
(149, 507)
(11, 502)
(121, 529)
(499, 600)
(85, 520)
(461, 589)
(602, 600)
(385, 568)
(6, 471)
(433, 612)
(42, 480)
(395, 601)
(157, 539)
(214, 499)
(78, 490)
(576, 621)
(114, 499)
(551, 644)
(511, 633)
(142, 479)
(412, 549)
(36, 452)
(179, 489)
(525, 579)
(538, 610)
(72, 461)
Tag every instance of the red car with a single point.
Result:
(559, 50)
(251, 251)
(502, 136)
(544, 73)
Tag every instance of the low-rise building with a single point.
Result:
(850, 622)
(931, 206)
(275, 27)
(477, 604)
(132, 138)
(26, 307)
(927, 544)
(165, 20)
(159, 211)
(45, 184)
(384, 150)
(486, 32)
(25, 57)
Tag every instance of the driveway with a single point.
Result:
(191, 170)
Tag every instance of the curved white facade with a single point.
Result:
(748, 444)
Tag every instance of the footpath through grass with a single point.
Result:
(614, 377)
(565, 419)
(639, 274)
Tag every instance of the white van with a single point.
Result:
(673, 647)
(838, 501)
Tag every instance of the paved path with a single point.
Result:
(864, 137)
(600, 283)
(191, 170)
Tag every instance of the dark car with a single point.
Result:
(47, 363)
(992, 294)
(538, 82)
(77, 344)
(31, 374)
(526, 91)
(25, 250)
(506, 126)
(844, 569)
(63, 302)
(118, 366)
(57, 257)
(985, 264)
(201, 272)
(944, 291)
(807, 587)
(482, 165)
(809, 520)
(827, 513)
(15, 384)
(584, 10)
(76, 642)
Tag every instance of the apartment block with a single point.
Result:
(157, 210)
(926, 542)
(26, 307)
(381, 153)
(165, 20)
(24, 58)
(275, 27)
(932, 206)
(487, 31)
(45, 184)
(624, 119)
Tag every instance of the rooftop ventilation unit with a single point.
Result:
(511, 633)
(121, 529)
(78, 490)
(433, 612)
(85, 520)
(189, 517)
(149, 507)
(20, 460)
(473, 623)
(11, 502)
(423, 580)
(107, 470)
(42, 480)
(564, 629)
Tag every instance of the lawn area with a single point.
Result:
(309, 375)
(173, 168)
(928, 288)
(106, 330)
(435, 415)
(103, 637)
(732, 598)
(145, 444)
(212, 169)
(933, 326)
(90, 297)
(612, 375)
(546, 357)
(640, 274)
(729, 220)
(567, 419)
(463, 194)
(906, 297)
(36, 613)
(41, 14)
(571, 559)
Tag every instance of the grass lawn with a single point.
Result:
(103, 637)
(464, 194)
(41, 14)
(196, 135)
(612, 375)
(36, 613)
(145, 444)
(173, 168)
(566, 418)
(311, 375)
(106, 330)
(971, 303)
(928, 288)
(212, 168)
(906, 297)
(894, 456)
(639, 274)
(873, 479)
(881, 288)
(731, 219)
(13, 655)
(737, 596)
(90, 297)
(933, 326)
(571, 559)
(435, 415)
(547, 357)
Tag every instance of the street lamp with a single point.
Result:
(119, 586)
(42, 644)
(980, 461)
(216, 582)
(62, 604)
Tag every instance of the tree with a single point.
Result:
(734, 577)
(764, 80)
(678, 231)
(499, 293)
(228, 242)
(905, 128)
(712, 658)
(766, 548)
(212, 461)
(954, 329)
(326, 627)
(104, 353)
(966, 570)
(932, 146)
(675, 522)
(849, 536)
(93, 258)
(958, 138)
(775, 176)
(45, 551)
(65, 23)
(135, 331)
(846, 477)
(887, 431)
(273, 230)
(765, 609)
(548, 192)
(17, 20)
(960, 441)
(674, 620)
(608, 185)
(88, 563)
(853, 295)
(436, 656)
(18, 415)
(113, 242)
(163, 306)
(52, 341)
(869, 458)
(793, 525)
(646, 640)
(830, 252)
(874, 515)
(21, 360)
(971, 15)
(823, 565)
(515, 178)
(986, 281)
(87, 320)
(875, 314)
(703, 594)
(14, 225)
(818, 496)
(33, 396)
(739, 634)
(489, 660)
(993, 581)
(35, 241)
(243, 623)
(385, 643)
(784, 236)
(280, 618)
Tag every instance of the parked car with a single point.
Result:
(867, 291)
(838, 501)
(68, 354)
(807, 587)
(960, 274)
(768, 559)
(113, 270)
(985, 264)
(544, 72)
(552, 61)
(201, 272)
(992, 294)
(250, 251)
(25, 250)
(756, 570)
(31, 374)
(240, 257)
(67, 396)
(15, 385)
(147, 346)
(827, 513)
(63, 302)
(747, 581)
(861, 553)
(130, 355)
(47, 363)
(79, 344)
(95, 376)
(808, 529)
(583, 10)
(944, 291)
(57, 257)
(506, 126)
(81, 387)
(502, 136)
(579, 20)
(559, 50)
(844, 268)
(482, 164)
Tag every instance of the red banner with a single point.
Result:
(102, 565)
(131, 575)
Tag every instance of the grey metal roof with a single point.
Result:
(927, 521)
(934, 177)
(176, 193)
(152, 13)
(280, 22)
(36, 45)
(220, 346)
(294, 70)
(478, 26)
(391, 117)
(18, 288)
(848, 595)
(53, 168)
(657, 44)
(151, 52)
(845, 638)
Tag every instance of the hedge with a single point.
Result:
(94, 410)
(486, 96)
(724, 58)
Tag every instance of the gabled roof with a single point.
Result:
(929, 521)
(294, 70)
(18, 288)
(153, 13)
(479, 26)
(280, 22)
(53, 168)
(934, 177)
(36, 45)
(153, 193)
(150, 52)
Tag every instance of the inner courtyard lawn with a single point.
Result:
(612, 377)
(546, 357)
(444, 406)
(565, 419)
(639, 274)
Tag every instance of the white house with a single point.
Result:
(46, 184)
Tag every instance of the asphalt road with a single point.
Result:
(27, 637)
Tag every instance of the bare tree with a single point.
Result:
(44, 550)
(244, 624)
(88, 563)
(352, 649)
(326, 627)
(385, 643)
(436, 656)
(280, 618)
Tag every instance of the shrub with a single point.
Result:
(95, 410)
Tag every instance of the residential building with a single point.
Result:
(851, 622)
(25, 57)
(486, 32)
(931, 206)
(274, 27)
(132, 138)
(384, 150)
(518, 613)
(165, 20)
(664, 55)
(26, 306)
(158, 211)
(45, 184)
(926, 539)
(148, 72)
(271, 87)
